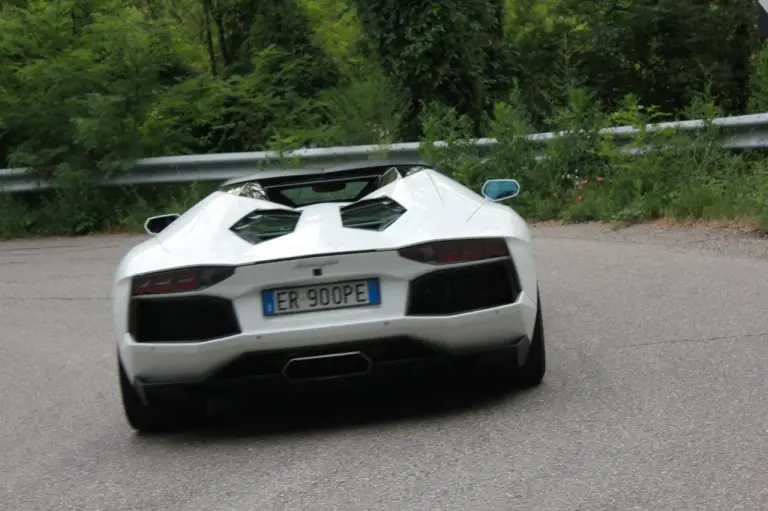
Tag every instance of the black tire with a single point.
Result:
(158, 416)
(532, 372)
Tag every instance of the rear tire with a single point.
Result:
(532, 372)
(160, 416)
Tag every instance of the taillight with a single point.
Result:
(456, 251)
(179, 281)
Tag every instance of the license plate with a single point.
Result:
(335, 295)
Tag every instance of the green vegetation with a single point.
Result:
(88, 86)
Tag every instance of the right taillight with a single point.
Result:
(456, 251)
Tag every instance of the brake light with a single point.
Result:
(456, 251)
(179, 281)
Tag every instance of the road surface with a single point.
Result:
(656, 397)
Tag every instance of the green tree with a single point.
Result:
(665, 51)
(450, 51)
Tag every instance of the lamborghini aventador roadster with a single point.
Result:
(290, 278)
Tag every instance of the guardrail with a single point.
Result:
(741, 132)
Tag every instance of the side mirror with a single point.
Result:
(500, 189)
(156, 224)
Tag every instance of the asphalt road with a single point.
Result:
(656, 398)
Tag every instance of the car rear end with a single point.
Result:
(320, 317)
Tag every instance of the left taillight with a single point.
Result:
(180, 281)
(456, 251)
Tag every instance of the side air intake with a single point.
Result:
(372, 214)
(266, 224)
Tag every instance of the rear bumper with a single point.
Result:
(485, 329)
(399, 359)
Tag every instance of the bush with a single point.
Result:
(589, 175)
(116, 209)
(594, 176)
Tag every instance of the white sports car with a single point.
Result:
(291, 277)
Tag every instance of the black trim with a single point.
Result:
(240, 228)
(392, 359)
(496, 283)
(383, 210)
(272, 362)
(181, 319)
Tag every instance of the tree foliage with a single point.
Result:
(451, 51)
(87, 86)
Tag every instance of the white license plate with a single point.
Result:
(334, 295)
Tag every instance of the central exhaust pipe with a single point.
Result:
(323, 367)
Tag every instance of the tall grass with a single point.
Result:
(592, 176)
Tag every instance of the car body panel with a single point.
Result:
(438, 208)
